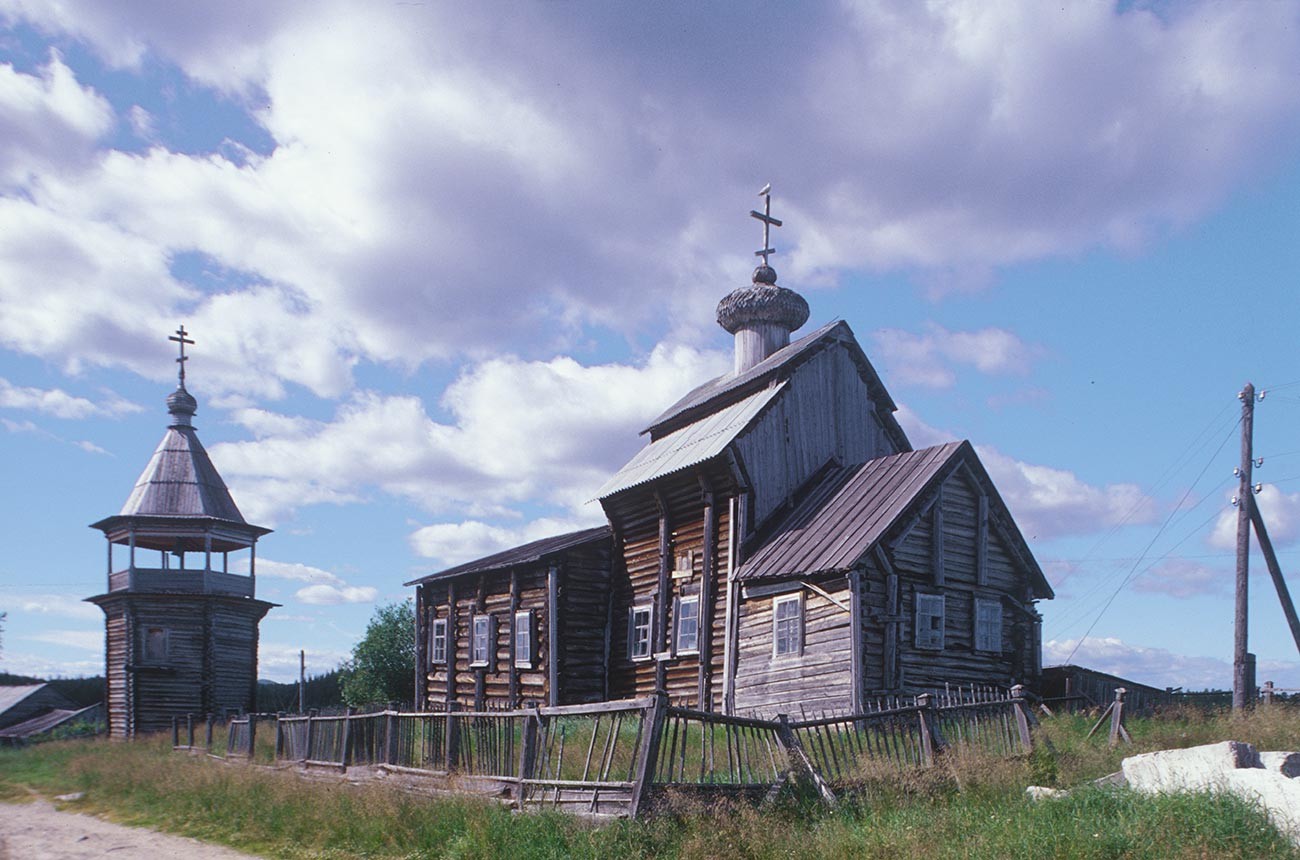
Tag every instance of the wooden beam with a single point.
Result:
(982, 541)
(855, 650)
(553, 634)
(661, 600)
(421, 649)
(729, 634)
(936, 537)
(1275, 571)
(514, 633)
(480, 673)
(847, 607)
(707, 591)
(453, 641)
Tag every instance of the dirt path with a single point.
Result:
(38, 830)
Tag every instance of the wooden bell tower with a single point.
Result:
(181, 628)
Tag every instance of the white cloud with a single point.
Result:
(1050, 502)
(85, 640)
(1182, 577)
(442, 184)
(42, 665)
(294, 571)
(323, 594)
(454, 543)
(927, 358)
(60, 404)
(61, 605)
(546, 430)
(1280, 512)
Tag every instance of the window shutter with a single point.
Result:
(929, 621)
(532, 639)
(493, 644)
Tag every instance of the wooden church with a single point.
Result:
(181, 628)
(776, 545)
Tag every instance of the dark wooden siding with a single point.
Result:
(819, 679)
(1002, 579)
(583, 609)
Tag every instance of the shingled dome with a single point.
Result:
(180, 480)
(762, 303)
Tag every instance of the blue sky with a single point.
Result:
(443, 263)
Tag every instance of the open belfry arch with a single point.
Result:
(181, 629)
(776, 545)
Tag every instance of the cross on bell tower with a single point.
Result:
(180, 339)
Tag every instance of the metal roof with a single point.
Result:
(691, 445)
(845, 514)
(180, 481)
(526, 554)
(10, 696)
(47, 721)
(721, 385)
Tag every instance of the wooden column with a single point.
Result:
(730, 633)
(936, 537)
(707, 592)
(421, 649)
(982, 541)
(453, 642)
(855, 646)
(553, 634)
(514, 633)
(480, 673)
(661, 600)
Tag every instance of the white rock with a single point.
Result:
(1279, 796)
(1202, 768)
(1285, 763)
(1042, 792)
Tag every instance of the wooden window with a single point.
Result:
(525, 651)
(155, 644)
(929, 621)
(481, 644)
(638, 632)
(438, 641)
(688, 625)
(787, 625)
(988, 625)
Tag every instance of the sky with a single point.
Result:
(443, 262)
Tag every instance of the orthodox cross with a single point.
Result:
(768, 222)
(180, 339)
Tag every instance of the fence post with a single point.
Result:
(347, 738)
(176, 732)
(279, 735)
(1117, 729)
(189, 731)
(652, 721)
(207, 743)
(230, 734)
(798, 760)
(1268, 693)
(528, 751)
(932, 742)
(1019, 703)
(252, 735)
(390, 737)
(452, 738)
(311, 734)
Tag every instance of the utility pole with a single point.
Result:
(1243, 675)
(302, 682)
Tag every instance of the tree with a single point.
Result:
(382, 668)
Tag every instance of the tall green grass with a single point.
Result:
(968, 806)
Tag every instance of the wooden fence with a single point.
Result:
(620, 758)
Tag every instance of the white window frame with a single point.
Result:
(928, 636)
(796, 648)
(480, 657)
(438, 641)
(682, 602)
(988, 625)
(648, 609)
(523, 635)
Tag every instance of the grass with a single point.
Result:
(969, 806)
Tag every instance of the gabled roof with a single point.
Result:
(51, 720)
(717, 392)
(690, 445)
(853, 507)
(10, 696)
(180, 481)
(526, 554)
